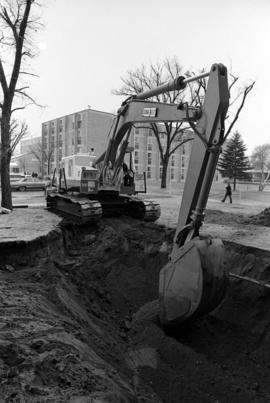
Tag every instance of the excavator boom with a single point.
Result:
(194, 280)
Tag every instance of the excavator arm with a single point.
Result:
(206, 148)
(195, 278)
(137, 110)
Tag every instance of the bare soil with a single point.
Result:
(67, 332)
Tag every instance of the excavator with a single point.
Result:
(194, 280)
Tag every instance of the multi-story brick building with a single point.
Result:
(72, 134)
(147, 157)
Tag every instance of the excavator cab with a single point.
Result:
(128, 180)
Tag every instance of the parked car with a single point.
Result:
(15, 177)
(30, 183)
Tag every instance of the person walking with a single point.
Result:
(228, 193)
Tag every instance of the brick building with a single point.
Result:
(73, 134)
(147, 157)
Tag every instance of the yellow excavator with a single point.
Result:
(194, 280)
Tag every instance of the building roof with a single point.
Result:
(84, 110)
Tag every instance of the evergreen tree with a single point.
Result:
(233, 162)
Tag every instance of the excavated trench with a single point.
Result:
(67, 332)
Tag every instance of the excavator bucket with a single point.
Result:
(194, 282)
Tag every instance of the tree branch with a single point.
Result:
(246, 92)
(3, 79)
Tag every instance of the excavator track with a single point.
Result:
(107, 204)
(145, 210)
(82, 210)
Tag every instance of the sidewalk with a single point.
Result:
(25, 225)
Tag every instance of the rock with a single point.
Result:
(9, 268)
(4, 210)
(89, 239)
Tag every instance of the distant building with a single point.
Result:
(28, 161)
(14, 168)
(147, 156)
(72, 134)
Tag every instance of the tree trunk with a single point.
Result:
(164, 174)
(234, 183)
(5, 161)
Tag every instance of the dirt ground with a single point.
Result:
(68, 299)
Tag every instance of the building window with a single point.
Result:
(182, 161)
(149, 146)
(79, 124)
(149, 158)
(149, 172)
(137, 146)
(172, 161)
(52, 131)
(60, 126)
(172, 173)
(136, 157)
(72, 141)
(150, 134)
(79, 140)
(182, 174)
(183, 149)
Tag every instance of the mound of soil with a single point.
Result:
(263, 218)
(67, 332)
(221, 217)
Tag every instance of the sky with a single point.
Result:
(86, 46)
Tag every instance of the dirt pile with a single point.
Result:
(67, 332)
(263, 218)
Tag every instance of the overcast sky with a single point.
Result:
(87, 45)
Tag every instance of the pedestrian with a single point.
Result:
(228, 193)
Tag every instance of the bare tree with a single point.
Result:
(17, 132)
(42, 155)
(260, 159)
(15, 39)
(144, 78)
